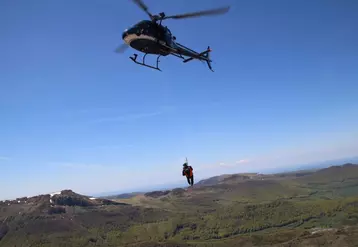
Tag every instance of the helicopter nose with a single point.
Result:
(124, 34)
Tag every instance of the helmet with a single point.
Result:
(185, 164)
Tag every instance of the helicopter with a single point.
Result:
(151, 37)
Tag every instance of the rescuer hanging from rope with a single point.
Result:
(188, 172)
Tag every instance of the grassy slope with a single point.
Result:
(278, 210)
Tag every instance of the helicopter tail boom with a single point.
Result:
(203, 56)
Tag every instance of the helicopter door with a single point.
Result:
(168, 37)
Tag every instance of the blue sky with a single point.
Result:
(74, 114)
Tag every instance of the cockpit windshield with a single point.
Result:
(144, 23)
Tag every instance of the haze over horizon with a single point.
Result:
(74, 114)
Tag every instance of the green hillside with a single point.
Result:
(316, 208)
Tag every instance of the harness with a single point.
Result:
(188, 171)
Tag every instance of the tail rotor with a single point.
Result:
(208, 60)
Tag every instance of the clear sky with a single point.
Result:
(74, 114)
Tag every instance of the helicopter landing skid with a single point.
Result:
(134, 59)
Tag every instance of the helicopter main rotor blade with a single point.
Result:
(122, 48)
(143, 7)
(217, 11)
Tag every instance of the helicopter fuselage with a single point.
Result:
(149, 37)
(152, 38)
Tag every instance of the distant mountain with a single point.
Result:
(55, 203)
(139, 190)
(124, 195)
(213, 180)
(332, 174)
(227, 178)
(316, 165)
(316, 173)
